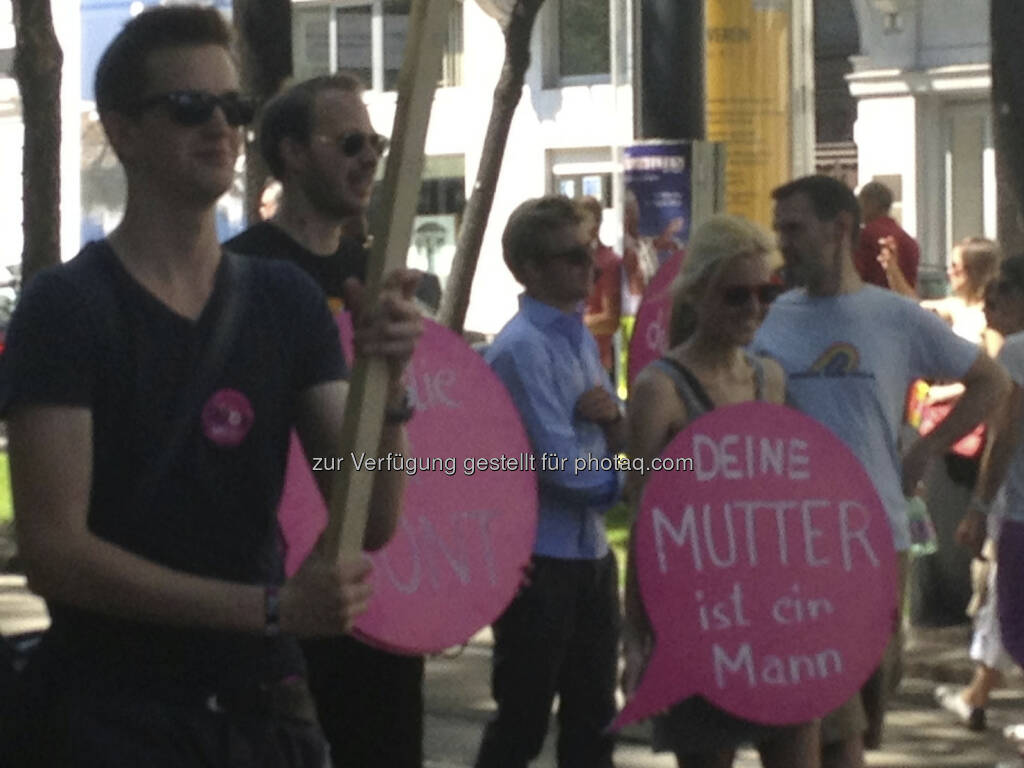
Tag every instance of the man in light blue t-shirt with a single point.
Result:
(850, 351)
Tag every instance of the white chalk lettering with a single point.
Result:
(738, 457)
(810, 532)
(726, 534)
(730, 538)
(847, 534)
(744, 661)
(772, 453)
(798, 460)
(795, 609)
(431, 554)
(724, 614)
(432, 389)
(687, 529)
(774, 670)
(411, 585)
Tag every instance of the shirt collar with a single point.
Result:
(545, 316)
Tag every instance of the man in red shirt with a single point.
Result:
(875, 201)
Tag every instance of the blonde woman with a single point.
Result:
(720, 299)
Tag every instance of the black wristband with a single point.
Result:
(402, 413)
(271, 611)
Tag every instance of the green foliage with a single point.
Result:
(6, 505)
(617, 522)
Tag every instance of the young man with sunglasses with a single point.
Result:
(317, 140)
(560, 634)
(150, 385)
(850, 351)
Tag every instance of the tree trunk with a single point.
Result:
(37, 68)
(1007, 31)
(478, 209)
(265, 51)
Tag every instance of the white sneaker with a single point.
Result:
(1014, 733)
(950, 698)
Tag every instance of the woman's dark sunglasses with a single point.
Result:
(352, 143)
(192, 108)
(739, 295)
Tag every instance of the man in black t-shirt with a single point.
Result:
(319, 143)
(150, 385)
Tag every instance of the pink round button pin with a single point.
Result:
(227, 418)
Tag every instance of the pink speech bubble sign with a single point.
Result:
(767, 569)
(456, 559)
(650, 333)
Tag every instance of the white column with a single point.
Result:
(802, 92)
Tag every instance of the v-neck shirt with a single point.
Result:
(87, 334)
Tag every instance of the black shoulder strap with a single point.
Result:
(207, 371)
(758, 366)
(693, 389)
(208, 368)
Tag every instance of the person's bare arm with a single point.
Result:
(319, 422)
(390, 330)
(601, 407)
(985, 384)
(654, 413)
(991, 342)
(889, 258)
(1003, 435)
(51, 475)
(774, 381)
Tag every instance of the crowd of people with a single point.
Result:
(150, 385)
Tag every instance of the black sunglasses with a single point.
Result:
(192, 108)
(739, 295)
(352, 143)
(578, 255)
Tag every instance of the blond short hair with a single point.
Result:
(714, 245)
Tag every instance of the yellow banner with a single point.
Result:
(748, 87)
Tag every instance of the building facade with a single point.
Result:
(901, 95)
(922, 85)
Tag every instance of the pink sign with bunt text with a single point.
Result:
(470, 504)
(651, 330)
(766, 565)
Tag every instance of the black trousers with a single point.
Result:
(559, 636)
(370, 702)
(77, 727)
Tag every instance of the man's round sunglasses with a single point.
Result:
(191, 108)
(740, 295)
(352, 143)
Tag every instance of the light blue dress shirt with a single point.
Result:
(547, 359)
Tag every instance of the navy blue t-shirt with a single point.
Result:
(212, 512)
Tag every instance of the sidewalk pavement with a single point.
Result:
(918, 733)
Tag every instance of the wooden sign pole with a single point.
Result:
(392, 227)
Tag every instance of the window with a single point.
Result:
(578, 42)
(366, 37)
(597, 185)
(582, 172)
